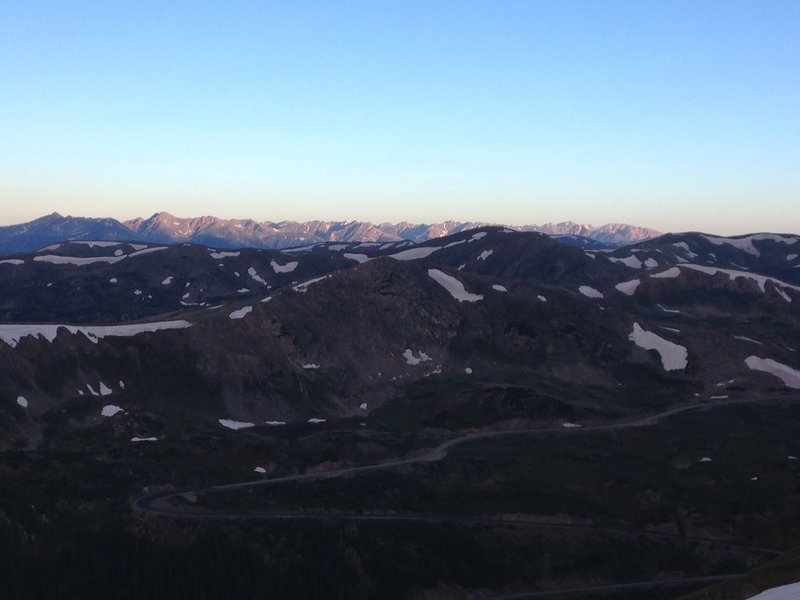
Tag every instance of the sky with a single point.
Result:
(676, 115)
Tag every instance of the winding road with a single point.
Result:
(154, 502)
(157, 503)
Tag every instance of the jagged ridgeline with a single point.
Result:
(164, 228)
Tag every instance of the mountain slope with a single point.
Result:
(54, 228)
(321, 330)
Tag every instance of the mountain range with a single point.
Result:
(164, 228)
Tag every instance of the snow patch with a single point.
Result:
(477, 236)
(485, 254)
(144, 439)
(255, 276)
(92, 243)
(670, 273)
(22, 401)
(651, 263)
(747, 339)
(311, 366)
(673, 356)
(784, 592)
(668, 310)
(11, 334)
(12, 261)
(276, 423)
(104, 389)
(453, 286)
(685, 247)
(363, 406)
(468, 371)
(168, 280)
(629, 261)
(241, 313)
(672, 329)
(316, 420)
(746, 243)
(568, 425)
(415, 253)
(415, 360)
(147, 251)
(761, 280)
(499, 288)
(260, 470)
(76, 260)
(359, 258)
(221, 255)
(235, 425)
(590, 292)
(628, 287)
(109, 410)
(303, 287)
(789, 376)
(287, 268)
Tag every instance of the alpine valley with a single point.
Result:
(200, 408)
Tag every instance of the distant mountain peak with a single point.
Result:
(165, 228)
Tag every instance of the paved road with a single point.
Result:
(156, 503)
(147, 502)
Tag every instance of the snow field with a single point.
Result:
(628, 287)
(590, 292)
(673, 356)
(789, 376)
(11, 334)
(241, 313)
(784, 592)
(453, 286)
(109, 410)
(415, 360)
(287, 268)
(235, 425)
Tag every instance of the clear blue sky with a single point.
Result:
(672, 114)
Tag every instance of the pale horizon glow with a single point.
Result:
(679, 116)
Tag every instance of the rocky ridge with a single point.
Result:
(163, 228)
